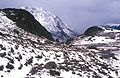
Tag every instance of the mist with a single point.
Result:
(78, 14)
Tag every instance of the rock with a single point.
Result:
(73, 72)
(16, 46)
(39, 57)
(9, 66)
(92, 47)
(1, 46)
(12, 50)
(10, 60)
(29, 61)
(1, 75)
(20, 67)
(19, 58)
(16, 31)
(2, 54)
(1, 68)
(2, 34)
(50, 65)
(33, 70)
(114, 57)
(54, 72)
(36, 69)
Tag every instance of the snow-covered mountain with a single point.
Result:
(113, 26)
(52, 23)
(25, 54)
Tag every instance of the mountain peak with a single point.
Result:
(112, 25)
(52, 23)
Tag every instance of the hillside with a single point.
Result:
(25, 54)
(52, 23)
(105, 43)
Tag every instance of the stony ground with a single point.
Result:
(24, 55)
(32, 56)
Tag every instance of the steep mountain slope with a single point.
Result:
(105, 42)
(26, 21)
(25, 55)
(52, 23)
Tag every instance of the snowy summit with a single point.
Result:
(52, 23)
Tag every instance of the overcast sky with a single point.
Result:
(78, 14)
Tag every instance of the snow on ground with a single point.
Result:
(110, 30)
(104, 37)
(27, 55)
(105, 44)
(94, 40)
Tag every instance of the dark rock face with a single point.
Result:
(2, 54)
(50, 65)
(27, 22)
(93, 31)
(1, 68)
(53, 73)
(9, 66)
